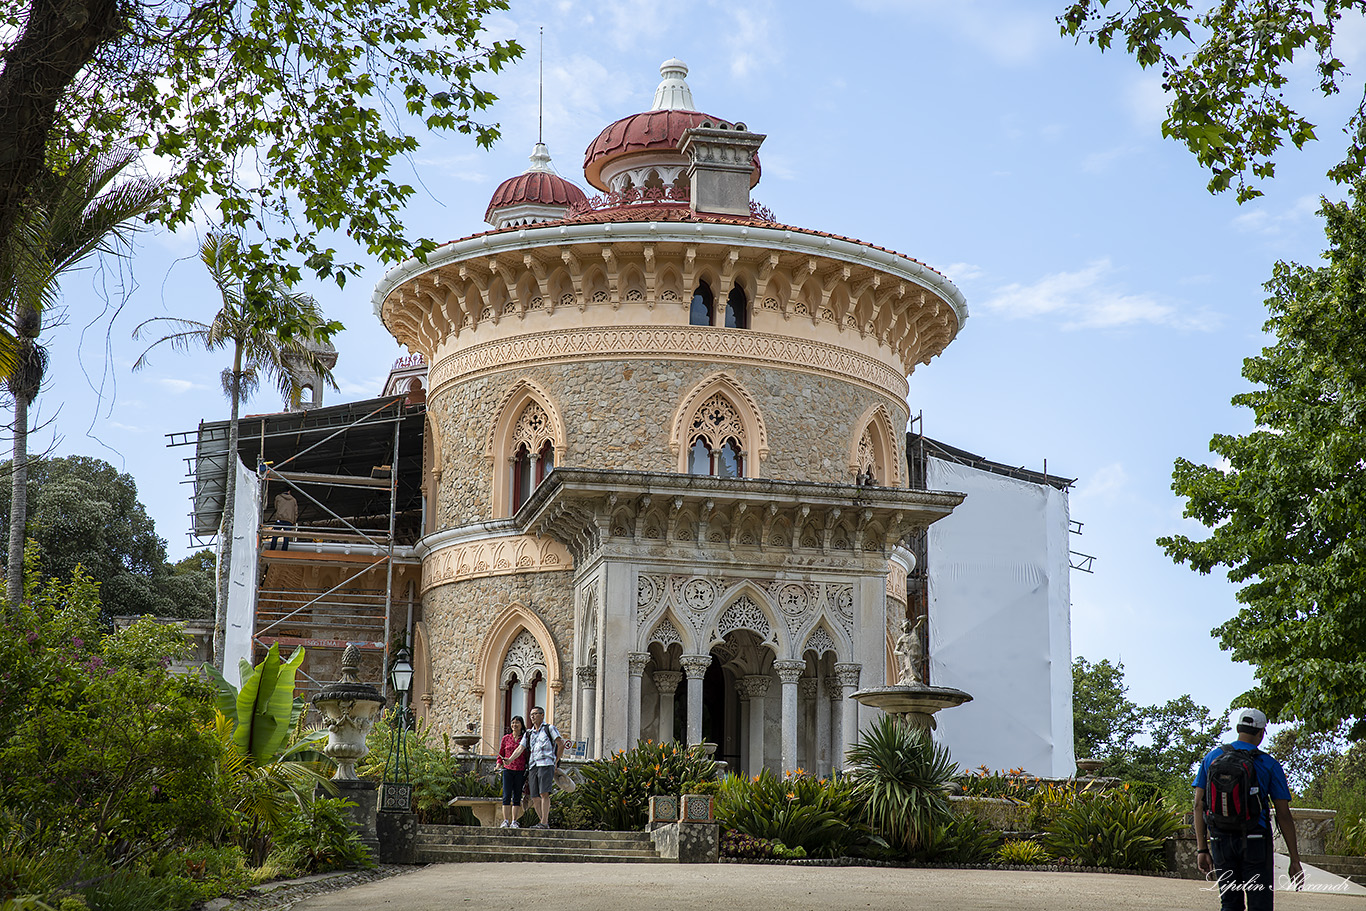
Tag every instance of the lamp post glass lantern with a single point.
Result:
(396, 793)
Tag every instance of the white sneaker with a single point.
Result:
(503, 825)
(514, 824)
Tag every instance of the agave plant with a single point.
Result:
(900, 778)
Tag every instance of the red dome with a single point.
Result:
(648, 131)
(540, 188)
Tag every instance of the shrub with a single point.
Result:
(816, 815)
(965, 839)
(436, 773)
(1023, 852)
(1010, 785)
(1119, 829)
(738, 844)
(318, 838)
(616, 791)
(899, 778)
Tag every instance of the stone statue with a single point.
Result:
(910, 653)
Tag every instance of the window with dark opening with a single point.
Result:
(702, 304)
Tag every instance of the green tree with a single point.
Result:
(1284, 505)
(279, 119)
(1156, 744)
(73, 213)
(249, 325)
(1103, 717)
(103, 750)
(85, 514)
(1228, 69)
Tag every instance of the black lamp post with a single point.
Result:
(396, 794)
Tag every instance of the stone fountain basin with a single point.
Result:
(905, 700)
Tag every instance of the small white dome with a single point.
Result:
(673, 93)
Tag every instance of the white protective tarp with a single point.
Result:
(1000, 621)
(242, 573)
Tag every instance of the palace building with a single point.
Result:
(664, 486)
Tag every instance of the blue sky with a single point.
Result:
(1112, 299)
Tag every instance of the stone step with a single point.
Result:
(1342, 865)
(437, 831)
(453, 856)
(514, 841)
(437, 844)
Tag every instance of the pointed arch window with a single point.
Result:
(701, 312)
(533, 455)
(737, 309)
(718, 440)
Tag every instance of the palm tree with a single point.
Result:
(75, 212)
(247, 324)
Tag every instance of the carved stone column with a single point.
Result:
(808, 688)
(587, 676)
(695, 666)
(667, 683)
(635, 662)
(848, 675)
(826, 708)
(789, 672)
(757, 687)
(742, 729)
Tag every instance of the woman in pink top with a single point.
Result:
(514, 772)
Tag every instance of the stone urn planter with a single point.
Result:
(1089, 767)
(349, 709)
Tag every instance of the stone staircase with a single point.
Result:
(485, 844)
(1353, 868)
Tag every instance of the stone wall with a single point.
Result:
(619, 414)
(458, 617)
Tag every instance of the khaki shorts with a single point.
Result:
(540, 780)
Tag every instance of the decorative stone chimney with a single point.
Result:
(720, 166)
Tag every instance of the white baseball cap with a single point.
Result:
(1251, 718)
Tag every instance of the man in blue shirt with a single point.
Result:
(1245, 861)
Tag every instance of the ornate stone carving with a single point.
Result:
(794, 600)
(647, 591)
(789, 670)
(744, 614)
(587, 674)
(494, 557)
(848, 673)
(667, 681)
(699, 595)
(689, 342)
(842, 596)
(695, 666)
(756, 685)
(717, 421)
(524, 659)
(636, 662)
(832, 688)
(666, 634)
(808, 688)
(820, 642)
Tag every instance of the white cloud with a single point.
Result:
(748, 39)
(1103, 487)
(1147, 103)
(180, 386)
(1089, 299)
(962, 273)
(1273, 224)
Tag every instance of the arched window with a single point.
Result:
(534, 454)
(737, 309)
(717, 440)
(702, 306)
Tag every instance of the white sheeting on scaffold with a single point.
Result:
(1000, 621)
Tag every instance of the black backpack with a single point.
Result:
(1233, 798)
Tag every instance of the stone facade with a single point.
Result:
(619, 414)
(457, 621)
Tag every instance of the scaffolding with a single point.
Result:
(330, 579)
